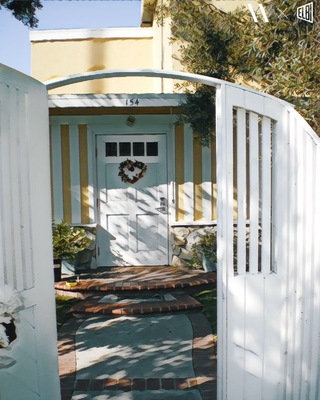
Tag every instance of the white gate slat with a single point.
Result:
(299, 284)
(290, 277)
(314, 367)
(241, 190)
(254, 191)
(7, 209)
(266, 191)
(254, 336)
(4, 121)
(308, 268)
(221, 250)
(272, 361)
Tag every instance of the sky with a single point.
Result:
(62, 14)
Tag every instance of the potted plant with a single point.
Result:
(67, 241)
(204, 251)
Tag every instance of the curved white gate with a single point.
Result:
(269, 294)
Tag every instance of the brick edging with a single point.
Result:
(204, 364)
(182, 302)
(203, 355)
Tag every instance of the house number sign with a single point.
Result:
(132, 102)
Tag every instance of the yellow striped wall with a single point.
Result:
(195, 178)
(71, 198)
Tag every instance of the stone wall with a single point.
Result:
(182, 239)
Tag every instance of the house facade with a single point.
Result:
(96, 126)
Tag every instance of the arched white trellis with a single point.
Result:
(269, 297)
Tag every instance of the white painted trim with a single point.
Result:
(76, 34)
(114, 100)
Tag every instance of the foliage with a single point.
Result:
(68, 240)
(63, 305)
(280, 57)
(208, 298)
(23, 11)
(205, 246)
(198, 110)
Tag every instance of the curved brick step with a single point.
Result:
(135, 279)
(135, 305)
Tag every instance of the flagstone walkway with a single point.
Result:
(137, 335)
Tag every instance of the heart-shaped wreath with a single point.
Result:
(132, 171)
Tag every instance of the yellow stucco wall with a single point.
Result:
(79, 51)
(52, 59)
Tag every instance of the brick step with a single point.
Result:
(135, 304)
(87, 286)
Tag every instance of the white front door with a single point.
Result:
(133, 228)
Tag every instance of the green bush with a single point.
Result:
(206, 246)
(68, 240)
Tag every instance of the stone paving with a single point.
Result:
(82, 372)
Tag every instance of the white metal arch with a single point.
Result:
(268, 314)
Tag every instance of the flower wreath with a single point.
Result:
(132, 171)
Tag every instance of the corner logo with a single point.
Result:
(262, 10)
(305, 13)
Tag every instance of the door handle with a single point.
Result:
(163, 205)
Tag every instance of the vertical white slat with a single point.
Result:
(255, 326)
(56, 173)
(221, 265)
(254, 191)
(289, 279)
(16, 125)
(241, 190)
(188, 174)
(235, 286)
(298, 265)
(7, 275)
(23, 156)
(75, 174)
(10, 200)
(308, 288)
(266, 196)
(206, 183)
(314, 332)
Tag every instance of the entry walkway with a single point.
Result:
(149, 354)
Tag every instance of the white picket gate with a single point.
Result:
(25, 239)
(268, 299)
(269, 296)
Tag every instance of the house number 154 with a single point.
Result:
(132, 102)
